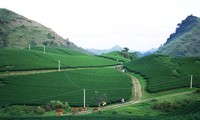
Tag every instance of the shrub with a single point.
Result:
(197, 91)
(30, 110)
(114, 113)
(53, 105)
(39, 110)
(1, 31)
(165, 106)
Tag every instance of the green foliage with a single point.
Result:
(99, 98)
(39, 89)
(53, 105)
(1, 31)
(198, 90)
(50, 43)
(120, 56)
(17, 110)
(166, 73)
(50, 36)
(131, 56)
(39, 110)
(125, 49)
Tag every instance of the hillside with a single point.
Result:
(166, 73)
(35, 59)
(16, 31)
(185, 41)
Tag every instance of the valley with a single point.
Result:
(46, 77)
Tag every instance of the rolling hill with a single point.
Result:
(23, 59)
(16, 31)
(185, 42)
(166, 73)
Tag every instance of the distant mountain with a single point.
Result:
(185, 42)
(149, 52)
(17, 31)
(99, 52)
(145, 53)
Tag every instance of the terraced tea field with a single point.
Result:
(166, 73)
(35, 59)
(36, 89)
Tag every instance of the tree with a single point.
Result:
(99, 98)
(126, 49)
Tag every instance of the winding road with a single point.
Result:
(136, 92)
(136, 89)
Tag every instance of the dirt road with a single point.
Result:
(27, 72)
(137, 98)
(136, 89)
(137, 94)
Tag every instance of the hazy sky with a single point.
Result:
(137, 24)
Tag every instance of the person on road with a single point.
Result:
(104, 103)
(122, 100)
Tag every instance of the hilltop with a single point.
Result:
(185, 41)
(17, 31)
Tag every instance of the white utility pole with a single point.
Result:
(29, 46)
(44, 49)
(84, 97)
(58, 65)
(191, 81)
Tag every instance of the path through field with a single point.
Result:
(136, 89)
(137, 98)
(8, 73)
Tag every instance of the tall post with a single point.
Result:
(29, 46)
(44, 49)
(84, 97)
(191, 81)
(58, 65)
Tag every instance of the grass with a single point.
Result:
(185, 104)
(36, 89)
(166, 73)
(16, 59)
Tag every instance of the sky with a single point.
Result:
(137, 24)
